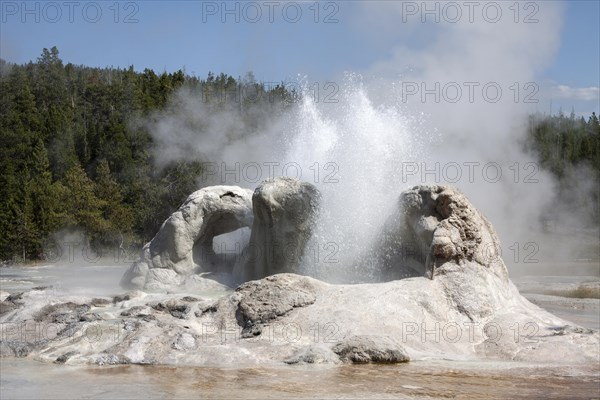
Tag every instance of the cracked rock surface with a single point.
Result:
(265, 300)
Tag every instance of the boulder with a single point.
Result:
(183, 245)
(362, 349)
(62, 313)
(264, 300)
(448, 228)
(313, 354)
(284, 216)
(7, 306)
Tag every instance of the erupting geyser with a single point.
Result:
(457, 303)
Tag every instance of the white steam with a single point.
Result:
(481, 130)
(381, 137)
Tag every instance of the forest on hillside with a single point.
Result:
(73, 157)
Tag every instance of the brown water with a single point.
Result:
(27, 379)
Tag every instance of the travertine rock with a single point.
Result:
(183, 245)
(284, 215)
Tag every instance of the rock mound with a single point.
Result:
(434, 230)
(448, 228)
(293, 319)
(457, 304)
(284, 215)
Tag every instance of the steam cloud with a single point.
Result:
(382, 137)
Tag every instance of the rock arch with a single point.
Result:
(183, 245)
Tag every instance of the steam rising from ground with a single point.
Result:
(381, 137)
(350, 149)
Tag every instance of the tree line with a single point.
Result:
(70, 158)
(569, 148)
(562, 142)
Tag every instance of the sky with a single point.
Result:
(420, 83)
(316, 42)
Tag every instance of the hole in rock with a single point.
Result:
(220, 254)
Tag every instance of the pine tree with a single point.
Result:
(83, 209)
(108, 192)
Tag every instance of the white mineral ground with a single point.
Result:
(27, 378)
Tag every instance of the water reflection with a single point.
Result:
(29, 379)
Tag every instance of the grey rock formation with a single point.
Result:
(62, 313)
(183, 245)
(434, 230)
(447, 228)
(7, 306)
(364, 349)
(284, 215)
(264, 300)
(313, 354)
(162, 279)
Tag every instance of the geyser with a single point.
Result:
(430, 257)
(461, 307)
(431, 226)
(350, 148)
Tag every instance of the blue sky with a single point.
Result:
(328, 38)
